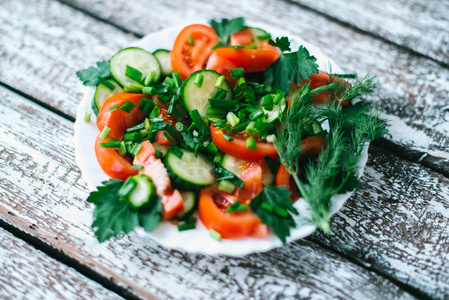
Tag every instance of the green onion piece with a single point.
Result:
(219, 81)
(134, 74)
(236, 73)
(122, 149)
(265, 36)
(135, 149)
(242, 207)
(87, 116)
(136, 167)
(143, 103)
(191, 42)
(226, 186)
(199, 122)
(267, 101)
(258, 113)
(150, 77)
(180, 127)
(158, 154)
(251, 46)
(177, 79)
(212, 148)
(104, 133)
(172, 142)
(348, 76)
(267, 207)
(149, 90)
(211, 111)
(213, 119)
(147, 123)
(277, 99)
(144, 132)
(127, 106)
(227, 137)
(235, 46)
(176, 151)
(106, 83)
(155, 112)
(113, 107)
(136, 128)
(215, 235)
(186, 226)
(271, 138)
(241, 83)
(232, 119)
(217, 45)
(221, 103)
(251, 143)
(114, 144)
(136, 87)
(199, 80)
(218, 158)
(131, 137)
(240, 127)
(280, 211)
(127, 187)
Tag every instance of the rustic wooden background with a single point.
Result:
(390, 241)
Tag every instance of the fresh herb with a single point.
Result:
(113, 215)
(89, 76)
(292, 66)
(226, 27)
(277, 198)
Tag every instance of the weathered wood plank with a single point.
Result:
(413, 95)
(422, 26)
(42, 193)
(397, 224)
(27, 273)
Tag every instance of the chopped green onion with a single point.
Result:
(176, 151)
(113, 107)
(256, 114)
(221, 103)
(268, 101)
(186, 226)
(211, 111)
(219, 81)
(226, 186)
(87, 116)
(232, 119)
(236, 73)
(213, 119)
(251, 143)
(131, 137)
(191, 42)
(155, 112)
(133, 73)
(277, 99)
(199, 80)
(136, 167)
(240, 127)
(127, 187)
(280, 211)
(122, 149)
(136, 128)
(215, 235)
(265, 36)
(114, 144)
(218, 45)
(271, 138)
(235, 46)
(172, 142)
(158, 154)
(241, 83)
(106, 83)
(147, 123)
(251, 46)
(177, 79)
(180, 127)
(267, 207)
(241, 207)
(220, 94)
(143, 132)
(199, 122)
(127, 106)
(104, 133)
(135, 149)
(227, 137)
(149, 90)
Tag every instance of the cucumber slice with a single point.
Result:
(102, 93)
(190, 171)
(143, 192)
(194, 97)
(234, 165)
(163, 56)
(256, 32)
(189, 201)
(278, 110)
(137, 58)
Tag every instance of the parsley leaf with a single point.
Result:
(226, 27)
(289, 67)
(277, 196)
(113, 215)
(89, 76)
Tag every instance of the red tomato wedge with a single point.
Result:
(252, 182)
(171, 200)
(237, 147)
(222, 66)
(212, 209)
(187, 57)
(251, 60)
(322, 79)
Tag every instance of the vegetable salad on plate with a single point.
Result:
(230, 130)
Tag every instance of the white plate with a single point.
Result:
(198, 240)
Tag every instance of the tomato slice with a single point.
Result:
(245, 37)
(321, 79)
(222, 66)
(188, 58)
(251, 60)
(212, 210)
(283, 177)
(237, 147)
(252, 182)
(112, 163)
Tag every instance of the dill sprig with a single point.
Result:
(351, 128)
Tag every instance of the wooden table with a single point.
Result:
(390, 240)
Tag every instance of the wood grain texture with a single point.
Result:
(27, 273)
(414, 89)
(405, 210)
(42, 193)
(422, 26)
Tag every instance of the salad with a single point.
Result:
(227, 129)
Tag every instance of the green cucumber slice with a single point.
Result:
(278, 110)
(189, 201)
(163, 56)
(102, 93)
(143, 192)
(194, 97)
(190, 171)
(137, 58)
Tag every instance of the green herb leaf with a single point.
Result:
(89, 76)
(226, 27)
(290, 67)
(275, 196)
(283, 43)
